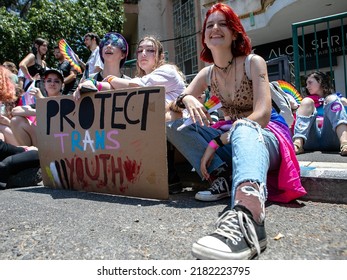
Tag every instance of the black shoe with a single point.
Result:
(237, 237)
(25, 178)
(218, 190)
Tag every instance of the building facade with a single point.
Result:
(178, 23)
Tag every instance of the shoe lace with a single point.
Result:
(236, 224)
(219, 184)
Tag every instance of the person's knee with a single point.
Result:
(344, 101)
(16, 121)
(330, 98)
(306, 107)
(243, 129)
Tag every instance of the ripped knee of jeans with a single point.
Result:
(248, 123)
(331, 98)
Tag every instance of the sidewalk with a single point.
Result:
(324, 176)
(324, 181)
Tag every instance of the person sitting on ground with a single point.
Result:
(19, 166)
(8, 100)
(113, 50)
(248, 152)
(326, 108)
(23, 122)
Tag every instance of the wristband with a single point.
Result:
(179, 101)
(27, 76)
(109, 80)
(218, 141)
(213, 145)
(174, 108)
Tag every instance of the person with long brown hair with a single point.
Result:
(237, 158)
(321, 120)
(33, 65)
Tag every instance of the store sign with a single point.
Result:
(311, 46)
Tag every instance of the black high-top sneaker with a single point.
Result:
(237, 237)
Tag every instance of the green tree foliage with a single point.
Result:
(23, 21)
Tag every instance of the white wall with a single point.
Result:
(339, 75)
(155, 18)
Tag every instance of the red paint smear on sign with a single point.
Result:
(132, 170)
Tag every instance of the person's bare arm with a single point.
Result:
(27, 61)
(261, 92)
(70, 78)
(191, 100)
(23, 111)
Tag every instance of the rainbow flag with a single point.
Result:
(291, 90)
(212, 104)
(70, 55)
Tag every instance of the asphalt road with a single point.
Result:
(49, 224)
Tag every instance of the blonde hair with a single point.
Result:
(159, 57)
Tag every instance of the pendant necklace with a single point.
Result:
(227, 93)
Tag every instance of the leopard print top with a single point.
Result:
(243, 100)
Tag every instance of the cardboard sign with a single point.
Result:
(109, 142)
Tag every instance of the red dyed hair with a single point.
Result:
(242, 45)
(7, 87)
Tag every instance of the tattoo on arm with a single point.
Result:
(262, 76)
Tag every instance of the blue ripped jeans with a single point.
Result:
(324, 138)
(252, 151)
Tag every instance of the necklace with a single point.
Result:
(224, 69)
(225, 78)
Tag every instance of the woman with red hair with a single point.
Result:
(7, 102)
(235, 157)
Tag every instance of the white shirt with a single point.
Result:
(94, 61)
(167, 76)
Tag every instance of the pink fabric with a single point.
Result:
(284, 185)
(31, 119)
(318, 100)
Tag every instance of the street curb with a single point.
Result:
(324, 182)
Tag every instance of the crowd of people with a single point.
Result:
(246, 153)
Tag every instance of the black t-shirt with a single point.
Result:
(66, 68)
